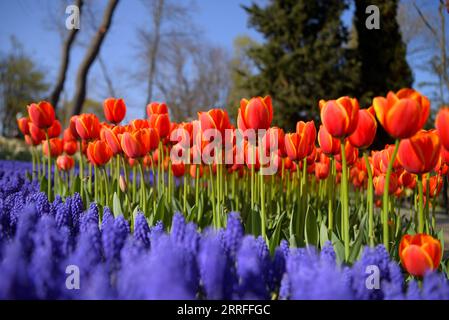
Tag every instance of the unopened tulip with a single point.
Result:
(88, 127)
(140, 142)
(99, 153)
(42, 114)
(36, 133)
(156, 108)
(407, 180)
(379, 184)
(22, 123)
(257, 113)
(160, 122)
(65, 163)
(328, 144)
(273, 141)
(420, 153)
(55, 130)
(419, 253)
(70, 147)
(322, 170)
(178, 169)
(215, 119)
(442, 125)
(435, 185)
(340, 117)
(139, 124)
(365, 132)
(351, 154)
(403, 114)
(56, 147)
(112, 139)
(114, 110)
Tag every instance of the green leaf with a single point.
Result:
(274, 241)
(44, 184)
(323, 234)
(356, 248)
(311, 228)
(160, 210)
(339, 248)
(116, 206)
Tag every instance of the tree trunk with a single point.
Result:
(65, 59)
(89, 58)
(157, 20)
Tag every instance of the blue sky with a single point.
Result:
(28, 20)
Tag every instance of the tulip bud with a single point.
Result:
(122, 183)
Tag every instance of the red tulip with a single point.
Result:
(322, 170)
(420, 153)
(42, 114)
(36, 134)
(55, 130)
(365, 132)
(72, 127)
(156, 108)
(257, 113)
(114, 110)
(139, 124)
(178, 169)
(65, 163)
(88, 126)
(70, 147)
(140, 142)
(328, 144)
(351, 153)
(56, 147)
(435, 185)
(419, 253)
(379, 184)
(99, 153)
(111, 137)
(403, 114)
(407, 180)
(193, 170)
(217, 119)
(31, 142)
(442, 125)
(160, 122)
(340, 116)
(22, 123)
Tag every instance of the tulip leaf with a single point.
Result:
(116, 206)
(311, 228)
(44, 184)
(339, 248)
(324, 237)
(274, 241)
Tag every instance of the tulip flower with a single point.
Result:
(178, 169)
(402, 115)
(99, 153)
(365, 132)
(139, 142)
(216, 119)
(420, 153)
(379, 184)
(322, 170)
(156, 108)
(88, 127)
(257, 113)
(56, 147)
(65, 163)
(22, 123)
(273, 141)
(55, 130)
(37, 134)
(407, 180)
(139, 124)
(114, 110)
(328, 144)
(435, 185)
(41, 114)
(70, 147)
(419, 253)
(340, 117)
(31, 142)
(160, 122)
(351, 154)
(442, 126)
(111, 136)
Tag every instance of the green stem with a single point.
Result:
(81, 169)
(49, 166)
(330, 194)
(184, 207)
(344, 194)
(370, 200)
(262, 206)
(143, 202)
(385, 201)
(420, 205)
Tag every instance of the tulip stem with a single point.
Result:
(106, 185)
(345, 199)
(330, 195)
(184, 207)
(262, 206)
(96, 183)
(81, 171)
(143, 202)
(370, 199)
(385, 200)
(420, 205)
(49, 166)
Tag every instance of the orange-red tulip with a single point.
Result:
(42, 114)
(72, 127)
(56, 147)
(419, 253)
(65, 163)
(322, 170)
(216, 119)
(139, 124)
(22, 123)
(114, 110)
(112, 139)
(156, 108)
(160, 122)
(328, 144)
(307, 132)
(36, 134)
(407, 180)
(403, 114)
(379, 184)
(351, 153)
(435, 185)
(99, 153)
(300, 144)
(420, 153)
(178, 169)
(31, 142)
(442, 125)
(257, 113)
(70, 147)
(274, 140)
(88, 126)
(138, 143)
(365, 132)
(55, 130)
(340, 116)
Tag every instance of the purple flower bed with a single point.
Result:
(39, 240)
